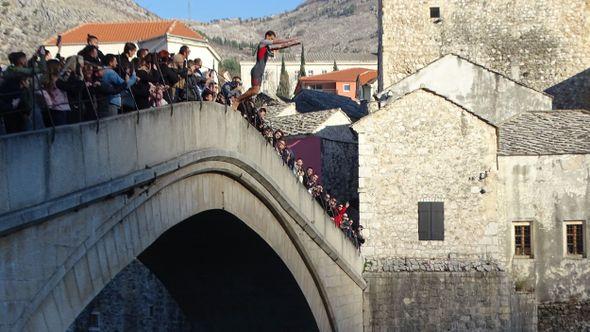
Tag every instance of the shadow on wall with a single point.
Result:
(218, 275)
(573, 93)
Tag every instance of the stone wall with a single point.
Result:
(545, 44)
(547, 190)
(134, 300)
(564, 316)
(340, 169)
(421, 299)
(425, 148)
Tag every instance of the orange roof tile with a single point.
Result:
(346, 75)
(125, 32)
(368, 77)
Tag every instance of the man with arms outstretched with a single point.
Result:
(264, 51)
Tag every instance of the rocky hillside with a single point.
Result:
(344, 26)
(24, 24)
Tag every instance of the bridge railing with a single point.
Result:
(48, 172)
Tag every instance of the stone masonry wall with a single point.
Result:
(545, 43)
(340, 169)
(431, 299)
(564, 316)
(424, 148)
(135, 300)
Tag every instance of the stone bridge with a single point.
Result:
(81, 202)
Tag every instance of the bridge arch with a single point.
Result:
(125, 217)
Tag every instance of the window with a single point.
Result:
(310, 73)
(574, 238)
(324, 71)
(434, 12)
(94, 323)
(347, 87)
(431, 221)
(522, 239)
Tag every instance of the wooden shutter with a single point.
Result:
(424, 221)
(437, 223)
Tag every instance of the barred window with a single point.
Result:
(522, 239)
(574, 238)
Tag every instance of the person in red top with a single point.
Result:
(265, 50)
(340, 214)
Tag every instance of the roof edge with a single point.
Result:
(433, 93)
(471, 62)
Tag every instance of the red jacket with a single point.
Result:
(339, 216)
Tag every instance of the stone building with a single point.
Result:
(474, 173)
(324, 140)
(545, 43)
(463, 169)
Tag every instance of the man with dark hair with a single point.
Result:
(91, 54)
(126, 68)
(208, 95)
(181, 57)
(260, 119)
(125, 64)
(231, 89)
(265, 50)
(112, 80)
(92, 41)
(19, 78)
(309, 172)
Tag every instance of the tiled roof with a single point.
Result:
(368, 77)
(346, 75)
(312, 100)
(326, 57)
(546, 133)
(125, 32)
(301, 123)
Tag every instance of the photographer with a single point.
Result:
(142, 89)
(19, 81)
(166, 75)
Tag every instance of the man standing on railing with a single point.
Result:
(265, 50)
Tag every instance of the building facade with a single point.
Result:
(473, 190)
(544, 44)
(315, 64)
(354, 83)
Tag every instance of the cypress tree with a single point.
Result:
(284, 89)
(302, 67)
(335, 65)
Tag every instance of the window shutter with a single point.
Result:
(424, 221)
(437, 225)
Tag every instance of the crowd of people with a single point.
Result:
(307, 176)
(46, 91)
